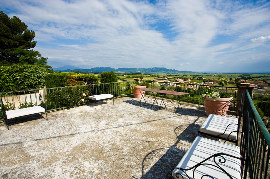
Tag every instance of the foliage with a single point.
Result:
(224, 94)
(260, 111)
(145, 83)
(22, 77)
(9, 106)
(26, 105)
(62, 79)
(71, 96)
(17, 43)
(66, 97)
(262, 103)
(108, 77)
(128, 88)
(83, 79)
(141, 76)
(56, 80)
(212, 94)
(223, 81)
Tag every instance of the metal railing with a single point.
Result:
(257, 147)
(196, 90)
(70, 96)
(58, 97)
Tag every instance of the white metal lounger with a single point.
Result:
(227, 157)
(221, 127)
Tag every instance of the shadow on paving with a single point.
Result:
(199, 111)
(145, 105)
(23, 119)
(165, 165)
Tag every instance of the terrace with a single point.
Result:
(100, 140)
(122, 140)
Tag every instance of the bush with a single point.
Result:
(56, 80)
(66, 97)
(264, 107)
(262, 103)
(71, 96)
(22, 77)
(62, 79)
(108, 77)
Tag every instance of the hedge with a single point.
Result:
(21, 77)
(62, 79)
(108, 77)
(56, 80)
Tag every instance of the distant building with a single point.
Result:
(179, 80)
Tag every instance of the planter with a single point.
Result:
(217, 106)
(137, 91)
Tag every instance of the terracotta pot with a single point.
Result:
(217, 106)
(137, 92)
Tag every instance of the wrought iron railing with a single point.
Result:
(196, 90)
(259, 144)
(58, 97)
(70, 96)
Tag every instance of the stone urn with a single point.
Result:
(137, 91)
(217, 106)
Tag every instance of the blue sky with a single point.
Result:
(196, 35)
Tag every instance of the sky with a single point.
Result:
(190, 35)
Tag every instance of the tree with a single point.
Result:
(16, 43)
(223, 81)
(108, 77)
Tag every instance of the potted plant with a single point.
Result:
(215, 103)
(137, 92)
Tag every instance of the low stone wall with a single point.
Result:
(18, 100)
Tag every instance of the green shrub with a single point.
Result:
(82, 78)
(62, 79)
(264, 107)
(108, 77)
(21, 77)
(66, 97)
(127, 88)
(56, 80)
(262, 101)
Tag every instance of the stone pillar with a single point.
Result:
(242, 91)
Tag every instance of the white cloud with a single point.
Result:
(126, 33)
(261, 39)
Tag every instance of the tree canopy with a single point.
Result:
(17, 43)
(108, 77)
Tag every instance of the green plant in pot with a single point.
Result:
(137, 92)
(216, 103)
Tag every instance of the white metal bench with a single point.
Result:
(101, 97)
(24, 112)
(220, 127)
(10, 114)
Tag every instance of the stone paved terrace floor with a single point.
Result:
(100, 140)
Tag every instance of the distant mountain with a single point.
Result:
(66, 68)
(120, 70)
(149, 70)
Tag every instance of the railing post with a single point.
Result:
(242, 92)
